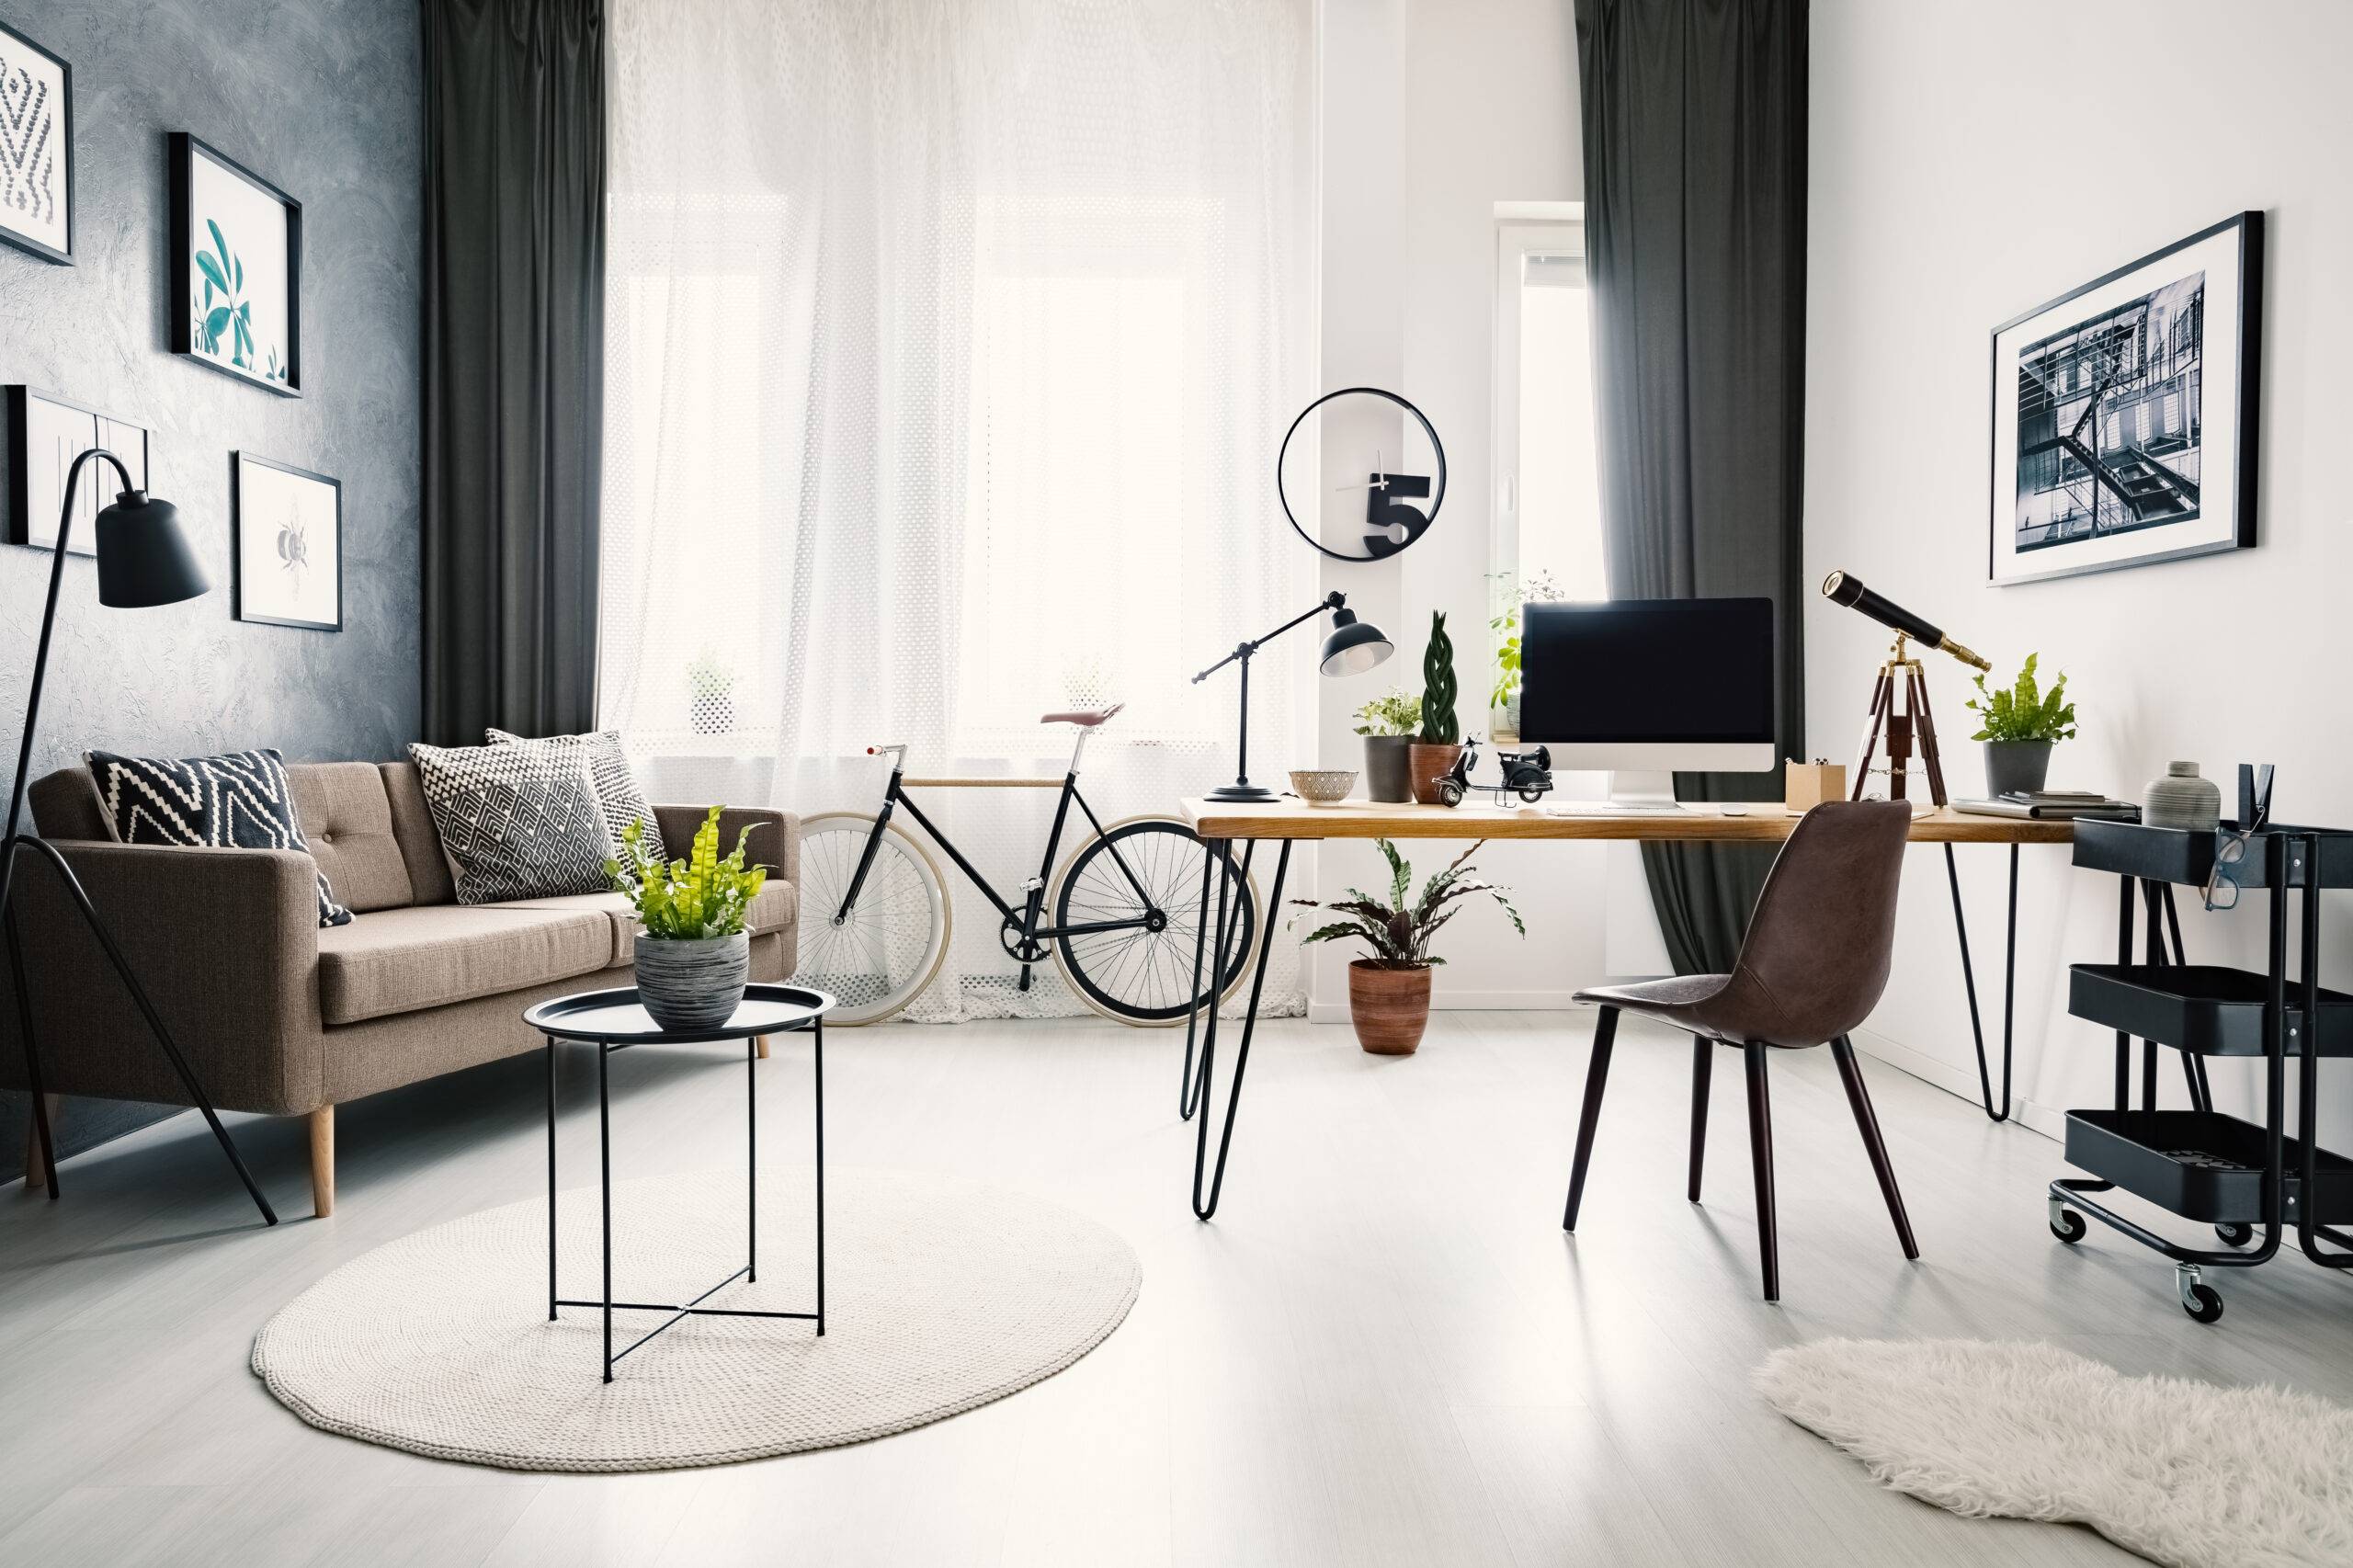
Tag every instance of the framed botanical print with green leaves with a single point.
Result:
(236, 269)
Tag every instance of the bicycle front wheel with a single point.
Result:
(877, 956)
(1148, 871)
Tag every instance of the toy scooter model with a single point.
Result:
(1526, 773)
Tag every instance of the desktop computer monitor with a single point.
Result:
(1651, 685)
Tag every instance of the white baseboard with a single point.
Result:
(1962, 1082)
(1539, 1001)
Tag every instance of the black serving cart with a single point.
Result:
(2201, 1164)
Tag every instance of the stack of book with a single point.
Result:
(2046, 803)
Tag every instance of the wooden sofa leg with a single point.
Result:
(323, 1161)
(760, 1042)
(36, 1171)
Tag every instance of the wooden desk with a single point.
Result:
(1287, 822)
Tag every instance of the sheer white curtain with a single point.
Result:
(950, 345)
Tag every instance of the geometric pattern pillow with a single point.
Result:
(617, 787)
(520, 822)
(240, 800)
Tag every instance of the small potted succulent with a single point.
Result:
(710, 694)
(1432, 755)
(1389, 991)
(2019, 725)
(693, 954)
(1387, 726)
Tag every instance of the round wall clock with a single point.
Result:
(1361, 473)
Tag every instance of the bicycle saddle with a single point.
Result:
(1084, 718)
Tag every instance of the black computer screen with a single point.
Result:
(1647, 670)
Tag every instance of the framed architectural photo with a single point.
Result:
(236, 269)
(288, 543)
(2125, 414)
(36, 148)
(46, 433)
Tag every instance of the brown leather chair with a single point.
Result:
(1811, 969)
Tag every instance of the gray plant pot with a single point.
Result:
(2016, 766)
(690, 985)
(1386, 776)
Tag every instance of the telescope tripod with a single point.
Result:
(1899, 732)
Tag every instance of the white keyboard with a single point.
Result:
(1611, 808)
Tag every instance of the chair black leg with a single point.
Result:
(1760, 1154)
(1597, 1073)
(1842, 1050)
(1703, 1057)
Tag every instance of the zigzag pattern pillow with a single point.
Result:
(617, 790)
(237, 801)
(520, 821)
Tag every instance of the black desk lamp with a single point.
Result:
(1353, 647)
(143, 560)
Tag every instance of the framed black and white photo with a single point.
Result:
(46, 433)
(236, 268)
(36, 148)
(2125, 414)
(288, 526)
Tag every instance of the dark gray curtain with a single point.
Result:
(1695, 154)
(514, 363)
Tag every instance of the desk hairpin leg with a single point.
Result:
(2010, 985)
(1187, 1100)
(1201, 1097)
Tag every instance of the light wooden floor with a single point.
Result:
(1383, 1351)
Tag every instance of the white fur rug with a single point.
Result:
(2182, 1472)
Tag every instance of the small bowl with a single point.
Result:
(1323, 787)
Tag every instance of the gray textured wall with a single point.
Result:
(325, 100)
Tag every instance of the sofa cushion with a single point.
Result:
(401, 960)
(521, 822)
(618, 794)
(776, 907)
(240, 800)
(349, 823)
(429, 872)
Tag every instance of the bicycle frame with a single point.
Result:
(1027, 917)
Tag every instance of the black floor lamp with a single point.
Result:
(143, 560)
(1352, 647)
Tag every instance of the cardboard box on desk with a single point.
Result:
(1810, 783)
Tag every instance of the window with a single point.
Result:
(1548, 500)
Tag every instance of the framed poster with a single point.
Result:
(46, 433)
(36, 148)
(288, 524)
(2125, 414)
(236, 269)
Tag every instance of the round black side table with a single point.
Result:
(613, 1020)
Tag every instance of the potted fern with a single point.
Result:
(2019, 725)
(1432, 756)
(1389, 991)
(693, 955)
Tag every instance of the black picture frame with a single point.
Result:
(2239, 236)
(73, 207)
(27, 517)
(184, 149)
(238, 497)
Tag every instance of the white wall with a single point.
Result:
(1968, 162)
(1433, 110)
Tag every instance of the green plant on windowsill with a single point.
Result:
(1398, 713)
(1542, 588)
(692, 900)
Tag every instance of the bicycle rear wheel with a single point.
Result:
(890, 946)
(1148, 870)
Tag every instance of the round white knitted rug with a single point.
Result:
(940, 1295)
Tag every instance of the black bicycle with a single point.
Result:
(876, 918)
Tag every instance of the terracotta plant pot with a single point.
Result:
(1428, 763)
(1389, 1007)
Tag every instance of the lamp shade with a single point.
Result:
(1354, 647)
(143, 556)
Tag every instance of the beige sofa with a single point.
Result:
(279, 1016)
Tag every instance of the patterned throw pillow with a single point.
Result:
(240, 800)
(519, 822)
(617, 788)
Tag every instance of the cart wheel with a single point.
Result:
(2202, 1303)
(2067, 1225)
(2237, 1233)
